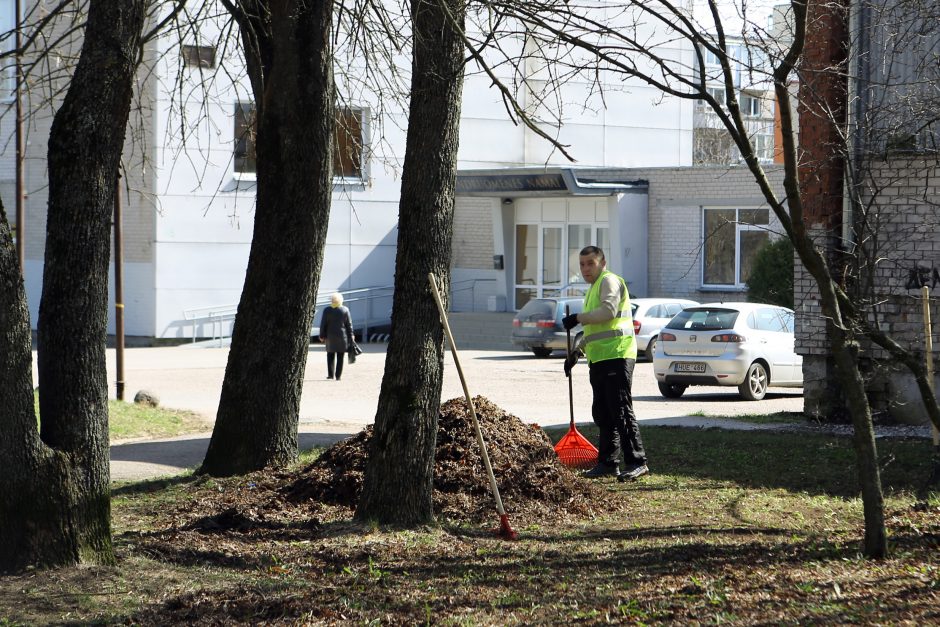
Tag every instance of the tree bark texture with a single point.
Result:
(845, 349)
(288, 52)
(34, 495)
(398, 479)
(64, 493)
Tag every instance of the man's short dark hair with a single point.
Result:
(593, 250)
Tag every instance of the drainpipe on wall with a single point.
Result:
(853, 114)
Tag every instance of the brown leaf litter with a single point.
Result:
(528, 474)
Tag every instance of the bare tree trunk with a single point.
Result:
(57, 509)
(845, 351)
(33, 494)
(288, 52)
(397, 488)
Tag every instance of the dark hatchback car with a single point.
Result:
(537, 327)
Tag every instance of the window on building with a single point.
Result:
(713, 146)
(718, 93)
(244, 156)
(347, 150)
(764, 145)
(751, 105)
(732, 239)
(348, 141)
(199, 56)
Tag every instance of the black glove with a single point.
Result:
(570, 321)
(570, 362)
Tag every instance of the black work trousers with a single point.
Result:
(612, 410)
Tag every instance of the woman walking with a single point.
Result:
(337, 333)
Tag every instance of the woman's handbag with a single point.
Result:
(353, 351)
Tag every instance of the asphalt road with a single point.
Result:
(535, 390)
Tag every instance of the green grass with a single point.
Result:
(739, 527)
(132, 421)
(773, 460)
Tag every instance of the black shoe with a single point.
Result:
(634, 473)
(601, 470)
(329, 376)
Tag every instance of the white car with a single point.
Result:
(649, 316)
(748, 345)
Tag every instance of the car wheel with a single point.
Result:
(651, 348)
(672, 390)
(755, 383)
(540, 351)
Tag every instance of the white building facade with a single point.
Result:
(522, 214)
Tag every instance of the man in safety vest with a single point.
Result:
(610, 347)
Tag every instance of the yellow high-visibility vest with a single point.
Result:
(612, 339)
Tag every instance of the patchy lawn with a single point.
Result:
(131, 421)
(731, 527)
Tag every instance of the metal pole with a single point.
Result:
(119, 288)
(20, 148)
(928, 341)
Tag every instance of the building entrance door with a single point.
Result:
(546, 259)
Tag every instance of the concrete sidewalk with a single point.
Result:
(534, 390)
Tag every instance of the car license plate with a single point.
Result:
(690, 367)
(529, 325)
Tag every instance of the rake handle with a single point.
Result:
(463, 381)
(570, 384)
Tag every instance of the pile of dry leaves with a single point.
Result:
(529, 476)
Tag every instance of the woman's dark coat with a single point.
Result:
(336, 329)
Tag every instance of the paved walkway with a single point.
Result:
(535, 390)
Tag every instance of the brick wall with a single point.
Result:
(906, 244)
(897, 238)
(822, 96)
(473, 233)
(676, 198)
(902, 241)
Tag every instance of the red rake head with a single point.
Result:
(576, 451)
(504, 531)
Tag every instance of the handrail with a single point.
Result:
(217, 315)
(473, 287)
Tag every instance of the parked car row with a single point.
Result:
(746, 345)
(537, 326)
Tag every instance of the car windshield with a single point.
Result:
(704, 319)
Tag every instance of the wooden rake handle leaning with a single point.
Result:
(504, 529)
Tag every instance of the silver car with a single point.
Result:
(537, 326)
(649, 316)
(748, 345)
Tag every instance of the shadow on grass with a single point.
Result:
(798, 462)
(673, 571)
(154, 485)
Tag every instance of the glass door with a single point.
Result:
(579, 236)
(527, 264)
(547, 262)
(551, 261)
